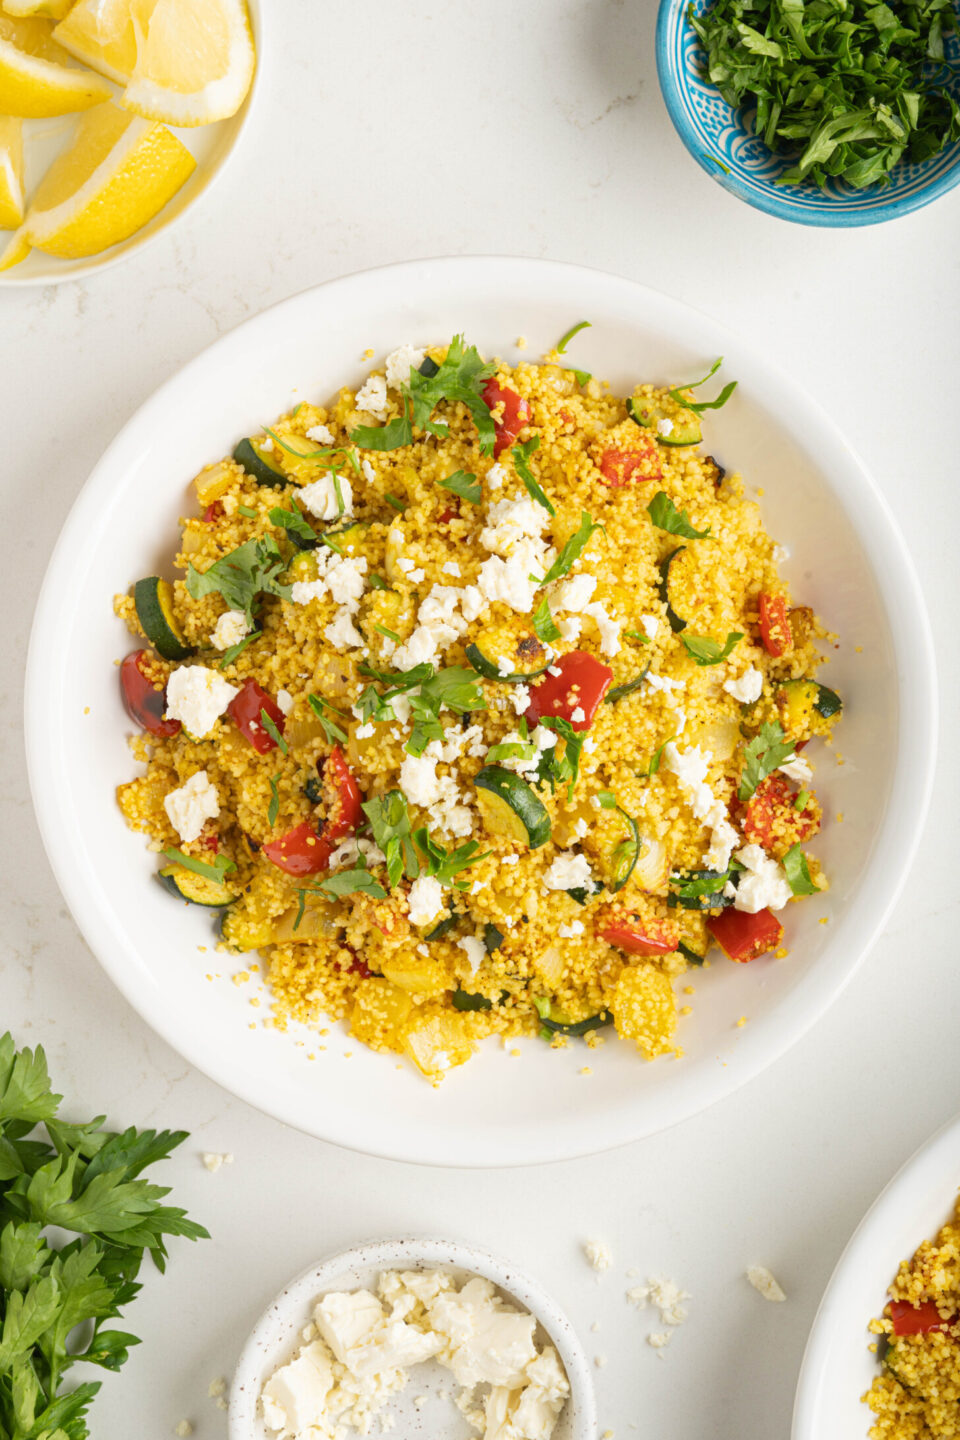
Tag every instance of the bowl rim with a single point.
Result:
(923, 1173)
(410, 1252)
(88, 265)
(898, 835)
(761, 199)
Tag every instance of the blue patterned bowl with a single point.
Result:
(722, 143)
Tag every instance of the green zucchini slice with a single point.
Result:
(677, 622)
(510, 808)
(490, 671)
(258, 464)
(560, 1026)
(197, 889)
(703, 897)
(492, 938)
(803, 695)
(153, 599)
(444, 928)
(619, 692)
(648, 413)
(464, 1000)
(626, 854)
(692, 957)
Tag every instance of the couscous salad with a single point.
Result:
(478, 707)
(917, 1397)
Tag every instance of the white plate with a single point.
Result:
(210, 145)
(837, 1366)
(847, 561)
(276, 1335)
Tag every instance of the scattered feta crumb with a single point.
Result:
(747, 688)
(284, 701)
(567, 932)
(763, 885)
(400, 362)
(213, 1161)
(474, 949)
(578, 715)
(450, 567)
(651, 624)
(183, 1428)
(197, 697)
(321, 434)
(597, 1252)
(191, 805)
(763, 1281)
(425, 899)
(797, 768)
(665, 1295)
(320, 496)
(230, 629)
(372, 397)
(216, 1388)
(569, 872)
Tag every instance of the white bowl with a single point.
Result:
(837, 1366)
(210, 145)
(847, 560)
(276, 1336)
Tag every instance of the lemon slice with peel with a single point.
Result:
(194, 63)
(119, 173)
(32, 83)
(11, 171)
(105, 33)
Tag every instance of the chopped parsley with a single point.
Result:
(330, 728)
(247, 510)
(446, 865)
(462, 483)
(390, 823)
(582, 375)
(654, 766)
(303, 535)
(710, 652)
(619, 692)
(390, 634)
(456, 688)
(214, 870)
(698, 406)
(459, 377)
(272, 731)
(666, 516)
(573, 549)
(231, 654)
(351, 882)
(274, 807)
(400, 505)
(765, 753)
(242, 575)
(544, 625)
(562, 769)
(521, 463)
(797, 871)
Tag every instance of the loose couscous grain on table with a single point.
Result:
(479, 708)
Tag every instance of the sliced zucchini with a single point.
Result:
(303, 566)
(510, 808)
(464, 1000)
(241, 933)
(349, 539)
(557, 1022)
(444, 928)
(677, 622)
(153, 599)
(619, 692)
(197, 889)
(797, 700)
(258, 463)
(692, 957)
(705, 899)
(491, 671)
(648, 414)
(492, 938)
(625, 855)
(580, 894)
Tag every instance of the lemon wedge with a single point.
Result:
(32, 82)
(104, 34)
(194, 63)
(118, 173)
(11, 171)
(50, 9)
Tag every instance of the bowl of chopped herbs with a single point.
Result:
(823, 112)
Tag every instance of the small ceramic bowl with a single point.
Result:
(277, 1334)
(211, 146)
(722, 143)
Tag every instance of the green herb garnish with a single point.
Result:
(377, 582)
(302, 534)
(212, 870)
(638, 635)
(390, 823)
(797, 871)
(247, 510)
(456, 688)
(765, 753)
(562, 769)
(654, 766)
(400, 505)
(242, 575)
(800, 803)
(573, 549)
(446, 865)
(710, 652)
(390, 634)
(666, 516)
(521, 463)
(230, 654)
(273, 809)
(582, 375)
(459, 377)
(273, 732)
(351, 882)
(545, 628)
(698, 406)
(462, 483)
(330, 728)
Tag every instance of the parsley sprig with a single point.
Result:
(706, 651)
(521, 463)
(666, 516)
(390, 823)
(765, 753)
(572, 551)
(446, 865)
(459, 377)
(242, 575)
(87, 1180)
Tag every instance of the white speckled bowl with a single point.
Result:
(276, 1336)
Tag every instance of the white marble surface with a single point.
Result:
(387, 132)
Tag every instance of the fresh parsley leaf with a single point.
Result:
(619, 692)
(231, 653)
(666, 516)
(390, 634)
(607, 799)
(456, 688)
(709, 652)
(765, 753)
(330, 729)
(462, 483)
(797, 871)
(274, 807)
(562, 769)
(698, 406)
(657, 756)
(352, 882)
(247, 510)
(303, 535)
(561, 346)
(273, 732)
(214, 870)
(377, 582)
(459, 377)
(638, 635)
(399, 680)
(397, 504)
(512, 750)
(521, 463)
(446, 865)
(242, 575)
(545, 628)
(573, 549)
(390, 823)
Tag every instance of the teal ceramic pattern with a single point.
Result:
(720, 140)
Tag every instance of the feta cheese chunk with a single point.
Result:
(598, 1254)
(487, 1342)
(400, 362)
(229, 630)
(747, 688)
(295, 1396)
(192, 805)
(321, 435)
(320, 497)
(764, 886)
(797, 768)
(197, 697)
(474, 949)
(569, 872)
(372, 397)
(425, 900)
(572, 594)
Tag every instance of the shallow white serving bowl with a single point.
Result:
(847, 560)
(277, 1334)
(837, 1366)
(210, 145)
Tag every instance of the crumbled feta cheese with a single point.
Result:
(764, 886)
(197, 697)
(762, 1280)
(569, 627)
(509, 859)
(320, 434)
(266, 444)
(598, 1254)
(780, 554)
(342, 633)
(439, 623)
(400, 362)
(664, 426)
(320, 497)
(183, 1428)
(578, 715)
(651, 624)
(609, 627)
(509, 580)
(568, 932)
(554, 670)
(474, 949)
(663, 682)
(284, 701)
(509, 521)
(192, 805)
(520, 698)
(372, 397)
(747, 688)
(425, 899)
(690, 767)
(363, 732)
(405, 564)
(572, 594)
(569, 872)
(229, 630)
(346, 856)
(450, 567)
(416, 576)
(665, 1295)
(797, 768)
(496, 476)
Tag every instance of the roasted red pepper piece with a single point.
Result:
(301, 851)
(514, 414)
(580, 686)
(145, 704)
(775, 629)
(742, 937)
(770, 820)
(918, 1319)
(212, 512)
(637, 934)
(343, 812)
(304, 851)
(620, 467)
(245, 711)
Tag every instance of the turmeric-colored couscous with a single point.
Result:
(478, 708)
(917, 1397)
